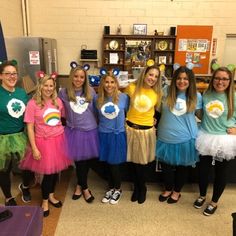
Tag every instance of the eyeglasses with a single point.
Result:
(9, 74)
(222, 79)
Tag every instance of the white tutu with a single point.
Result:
(220, 147)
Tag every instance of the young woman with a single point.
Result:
(12, 137)
(177, 131)
(112, 105)
(47, 152)
(81, 127)
(217, 136)
(145, 97)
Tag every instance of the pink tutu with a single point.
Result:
(54, 157)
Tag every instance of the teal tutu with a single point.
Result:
(181, 154)
(12, 148)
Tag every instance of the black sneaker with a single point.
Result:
(11, 202)
(199, 202)
(209, 210)
(115, 197)
(108, 196)
(26, 196)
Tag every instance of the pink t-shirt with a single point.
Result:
(46, 120)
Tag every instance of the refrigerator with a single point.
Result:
(33, 54)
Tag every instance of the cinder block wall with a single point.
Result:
(80, 22)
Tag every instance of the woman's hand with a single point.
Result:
(36, 154)
(231, 130)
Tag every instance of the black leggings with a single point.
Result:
(174, 177)
(5, 180)
(139, 176)
(114, 176)
(48, 185)
(220, 174)
(82, 169)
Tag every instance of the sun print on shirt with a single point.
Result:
(16, 108)
(51, 116)
(80, 106)
(142, 103)
(110, 110)
(215, 108)
(180, 107)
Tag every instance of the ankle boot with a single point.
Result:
(142, 195)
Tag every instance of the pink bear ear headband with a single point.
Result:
(74, 64)
(115, 71)
(41, 74)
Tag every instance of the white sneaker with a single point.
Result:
(116, 196)
(108, 196)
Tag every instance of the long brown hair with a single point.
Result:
(230, 91)
(140, 83)
(85, 87)
(191, 92)
(38, 97)
(102, 96)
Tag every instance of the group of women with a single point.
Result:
(117, 127)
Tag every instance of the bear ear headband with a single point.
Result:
(230, 67)
(13, 61)
(41, 74)
(74, 64)
(115, 71)
(189, 65)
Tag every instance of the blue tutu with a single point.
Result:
(181, 154)
(112, 148)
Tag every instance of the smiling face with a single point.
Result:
(151, 78)
(9, 78)
(48, 89)
(109, 85)
(78, 79)
(221, 81)
(182, 82)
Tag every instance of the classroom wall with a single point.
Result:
(80, 22)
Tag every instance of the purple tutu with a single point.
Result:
(53, 156)
(82, 145)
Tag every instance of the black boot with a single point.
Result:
(142, 195)
(135, 194)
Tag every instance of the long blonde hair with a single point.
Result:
(102, 96)
(85, 87)
(140, 84)
(191, 92)
(38, 97)
(230, 91)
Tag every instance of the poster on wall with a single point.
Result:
(193, 45)
(34, 58)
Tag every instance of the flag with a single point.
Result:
(3, 52)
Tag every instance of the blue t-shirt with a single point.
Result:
(112, 116)
(178, 126)
(215, 112)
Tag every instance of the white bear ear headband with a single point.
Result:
(189, 65)
(115, 71)
(74, 64)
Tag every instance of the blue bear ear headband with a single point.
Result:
(189, 65)
(74, 64)
(115, 71)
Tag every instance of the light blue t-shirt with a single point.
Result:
(112, 116)
(178, 126)
(215, 111)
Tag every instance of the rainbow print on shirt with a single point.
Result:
(51, 116)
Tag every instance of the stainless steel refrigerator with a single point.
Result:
(33, 54)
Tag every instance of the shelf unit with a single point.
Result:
(127, 51)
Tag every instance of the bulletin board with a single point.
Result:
(193, 44)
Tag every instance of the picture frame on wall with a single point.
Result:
(140, 29)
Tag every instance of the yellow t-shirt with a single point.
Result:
(142, 107)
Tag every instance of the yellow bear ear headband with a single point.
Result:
(230, 67)
(151, 62)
